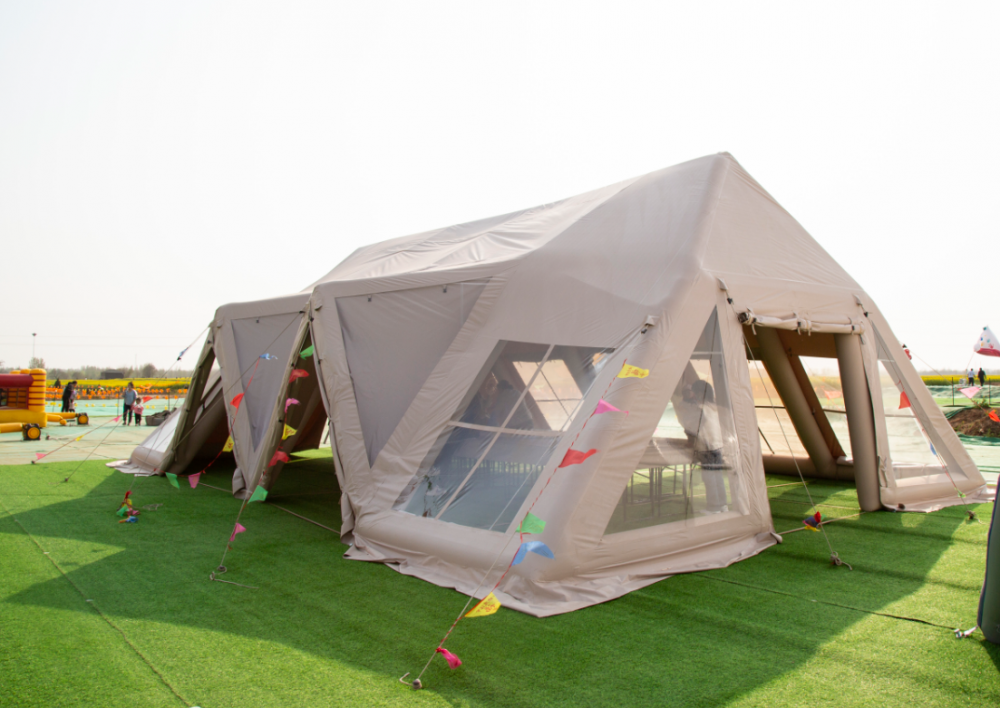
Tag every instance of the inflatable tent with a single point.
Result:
(625, 365)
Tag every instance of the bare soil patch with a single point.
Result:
(975, 421)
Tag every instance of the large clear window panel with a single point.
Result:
(824, 378)
(498, 387)
(909, 446)
(690, 466)
(448, 463)
(482, 467)
(774, 425)
(500, 484)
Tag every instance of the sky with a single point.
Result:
(160, 159)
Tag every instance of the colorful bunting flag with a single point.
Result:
(117, 419)
(487, 606)
(994, 417)
(453, 661)
(298, 374)
(40, 455)
(268, 357)
(240, 528)
(532, 547)
(172, 478)
(575, 457)
(228, 447)
(970, 391)
(531, 524)
(288, 432)
(278, 456)
(78, 439)
(987, 344)
(122, 510)
(193, 479)
(629, 371)
(904, 400)
(237, 399)
(833, 395)
(147, 399)
(290, 402)
(812, 522)
(308, 351)
(259, 494)
(605, 407)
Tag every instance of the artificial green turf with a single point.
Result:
(320, 630)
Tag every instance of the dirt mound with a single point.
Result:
(975, 421)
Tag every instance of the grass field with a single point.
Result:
(93, 612)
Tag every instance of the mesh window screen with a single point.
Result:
(690, 466)
(483, 465)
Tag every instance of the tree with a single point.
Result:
(36, 363)
(147, 371)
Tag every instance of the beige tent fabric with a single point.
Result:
(631, 274)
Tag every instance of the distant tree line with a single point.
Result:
(145, 371)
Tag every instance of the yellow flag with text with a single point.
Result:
(289, 432)
(487, 606)
(228, 447)
(629, 371)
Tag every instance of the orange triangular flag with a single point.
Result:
(994, 417)
(904, 400)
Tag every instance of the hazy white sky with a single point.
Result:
(160, 159)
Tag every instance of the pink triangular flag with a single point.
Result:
(605, 407)
(575, 457)
(237, 399)
(193, 479)
(970, 391)
(117, 419)
(290, 402)
(40, 455)
(278, 456)
(453, 661)
(240, 528)
(904, 400)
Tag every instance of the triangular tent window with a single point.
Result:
(393, 342)
(481, 468)
(690, 466)
(262, 378)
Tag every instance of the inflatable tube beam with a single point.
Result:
(989, 600)
(861, 420)
(772, 353)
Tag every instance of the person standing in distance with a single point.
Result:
(129, 399)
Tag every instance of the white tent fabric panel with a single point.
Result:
(263, 345)
(393, 341)
(145, 459)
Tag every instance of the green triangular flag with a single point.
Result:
(172, 478)
(259, 494)
(121, 510)
(531, 524)
(308, 351)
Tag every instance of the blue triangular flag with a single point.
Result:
(532, 547)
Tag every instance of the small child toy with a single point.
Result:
(137, 411)
(126, 512)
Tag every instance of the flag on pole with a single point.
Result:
(575, 457)
(532, 547)
(987, 344)
(487, 606)
(531, 524)
(453, 661)
(605, 407)
(240, 528)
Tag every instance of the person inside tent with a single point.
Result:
(697, 414)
